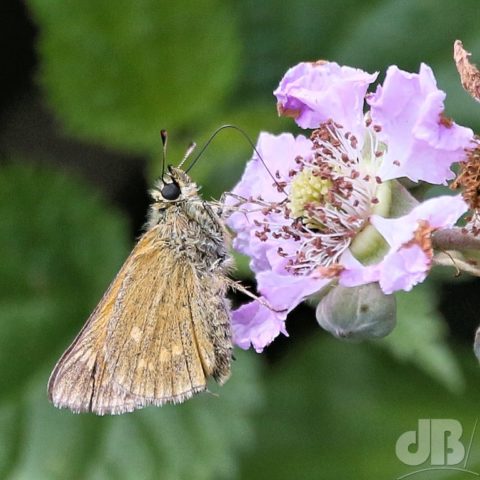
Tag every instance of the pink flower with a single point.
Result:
(328, 216)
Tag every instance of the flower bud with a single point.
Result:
(357, 313)
(476, 344)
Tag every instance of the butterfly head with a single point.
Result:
(173, 187)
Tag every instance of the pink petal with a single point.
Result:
(256, 325)
(278, 153)
(439, 212)
(402, 270)
(355, 273)
(420, 145)
(403, 266)
(317, 92)
(286, 291)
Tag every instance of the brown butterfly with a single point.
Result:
(162, 329)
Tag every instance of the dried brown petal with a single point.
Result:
(469, 73)
(468, 177)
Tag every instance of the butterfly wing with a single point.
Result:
(72, 382)
(156, 336)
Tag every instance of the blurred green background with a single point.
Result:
(86, 87)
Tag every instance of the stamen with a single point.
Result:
(331, 195)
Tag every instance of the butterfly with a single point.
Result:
(162, 328)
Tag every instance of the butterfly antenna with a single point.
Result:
(189, 151)
(249, 140)
(164, 137)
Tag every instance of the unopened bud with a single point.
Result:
(476, 344)
(357, 313)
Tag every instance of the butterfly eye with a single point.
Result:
(170, 191)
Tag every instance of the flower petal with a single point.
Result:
(422, 144)
(404, 265)
(278, 153)
(287, 291)
(316, 92)
(355, 273)
(256, 325)
(404, 269)
(439, 212)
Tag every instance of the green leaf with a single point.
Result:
(379, 37)
(118, 72)
(335, 410)
(281, 34)
(419, 337)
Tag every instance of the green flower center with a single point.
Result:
(307, 189)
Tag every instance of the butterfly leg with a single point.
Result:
(235, 285)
